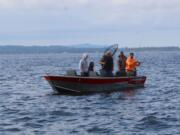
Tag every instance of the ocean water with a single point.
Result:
(28, 106)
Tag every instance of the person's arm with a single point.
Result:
(113, 67)
(118, 64)
(102, 62)
(81, 66)
(137, 63)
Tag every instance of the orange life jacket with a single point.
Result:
(131, 64)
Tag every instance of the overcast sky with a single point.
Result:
(130, 23)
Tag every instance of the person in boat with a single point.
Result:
(84, 65)
(91, 67)
(107, 65)
(121, 64)
(91, 70)
(131, 64)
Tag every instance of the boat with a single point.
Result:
(80, 85)
(71, 83)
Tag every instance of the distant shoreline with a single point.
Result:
(63, 49)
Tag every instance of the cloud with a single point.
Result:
(41, 4)
(97, 11)
(66, 19)
(148, 4)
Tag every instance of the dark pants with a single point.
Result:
(121, 73)
(85, 74)
(105, 73)
(131, 73)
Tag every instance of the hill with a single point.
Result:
(60, 49)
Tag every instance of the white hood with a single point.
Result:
(83, 64)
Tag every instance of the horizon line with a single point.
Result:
(79, 46)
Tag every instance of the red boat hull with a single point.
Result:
(78, 84)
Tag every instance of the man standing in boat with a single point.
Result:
(84, 65)
(107, 65)
(131, 64)
(121, 64)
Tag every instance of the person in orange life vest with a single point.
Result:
(131, 64)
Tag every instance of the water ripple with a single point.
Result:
(28, 105)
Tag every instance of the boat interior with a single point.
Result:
(74, 73)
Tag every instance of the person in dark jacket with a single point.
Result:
(91, 70)
(121, 65)
(107, 65)
(91, 66)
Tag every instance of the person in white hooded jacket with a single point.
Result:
(84, 64)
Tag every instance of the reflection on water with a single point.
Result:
(130, 92)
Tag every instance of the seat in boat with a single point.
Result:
(71, 72)
(93, 74)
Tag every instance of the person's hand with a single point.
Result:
(101, 62)
(138, 63)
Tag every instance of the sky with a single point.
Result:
(130, 23)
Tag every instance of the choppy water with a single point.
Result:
(28, 105)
